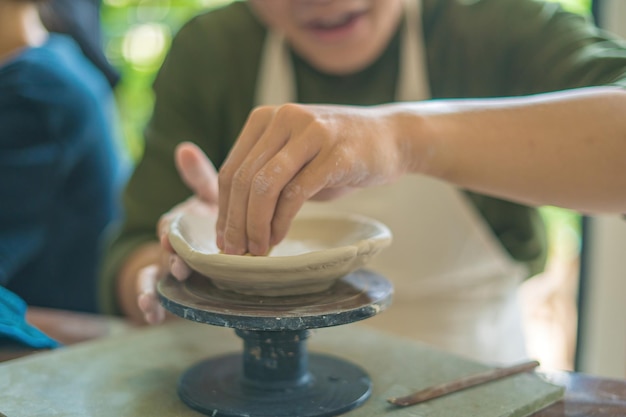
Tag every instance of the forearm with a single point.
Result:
(566, 149)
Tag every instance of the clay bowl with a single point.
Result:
(318, 250)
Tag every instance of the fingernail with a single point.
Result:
(232, 249)
(229, 249)
(255, 249)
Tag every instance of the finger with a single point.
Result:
(153, 313)
(156, 316)
(197, 171)
(256, 124)
(147, 297)
(165, 243)
(328, 194)
(164, 262)
(269, 184)
(163, 226)
(179, 268)
(251, 175)
(147, 278)
(311, 180)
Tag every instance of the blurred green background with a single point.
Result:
(138, 34)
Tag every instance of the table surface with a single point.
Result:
(585, 395)
(67, 327)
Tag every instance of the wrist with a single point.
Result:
(418, 129)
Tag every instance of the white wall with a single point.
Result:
(614, 16)
(603, 348)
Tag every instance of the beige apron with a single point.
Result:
(455, 285)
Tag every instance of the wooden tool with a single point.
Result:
(462, 383)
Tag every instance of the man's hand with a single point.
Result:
(288, 154)
(200, 176)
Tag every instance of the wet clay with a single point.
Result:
(317, 251)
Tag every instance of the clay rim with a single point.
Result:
(379, 238)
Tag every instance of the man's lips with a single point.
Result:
(333, 28)
(334, 22)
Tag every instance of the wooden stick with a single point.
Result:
(462, 383)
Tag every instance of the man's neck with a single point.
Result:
(20, 27)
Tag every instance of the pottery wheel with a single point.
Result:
(355, 297)
(275, 376)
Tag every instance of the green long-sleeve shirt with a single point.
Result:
(479, 48)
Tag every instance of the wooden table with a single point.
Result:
(586, 395)
(67, 327)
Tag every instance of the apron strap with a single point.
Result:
(275, 80)
(413, 80)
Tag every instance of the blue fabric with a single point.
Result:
(13, 325)
(60, 172)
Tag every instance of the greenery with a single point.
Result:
(138, 34)
(576, 6)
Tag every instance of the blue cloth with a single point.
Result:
(60, 174)
(13, 325)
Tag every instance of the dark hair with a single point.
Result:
(79, 19)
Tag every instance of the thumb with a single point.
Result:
(197, 171)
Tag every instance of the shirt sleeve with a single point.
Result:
(500, 48)
(553, 50)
